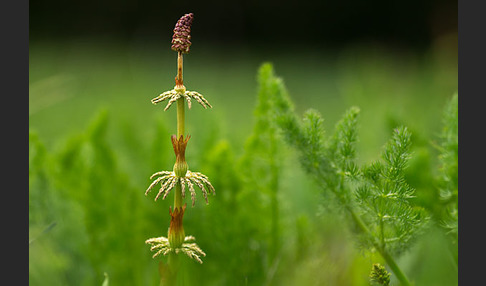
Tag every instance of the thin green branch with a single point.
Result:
(383, 252)
(379, 247)
(393, 266)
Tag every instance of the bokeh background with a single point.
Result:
(95, 138)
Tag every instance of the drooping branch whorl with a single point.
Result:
(182, 34)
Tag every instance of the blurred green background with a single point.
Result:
(95, 138)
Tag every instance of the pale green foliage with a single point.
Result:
(377, 192)
(385, 197)
(76, 186)
(263, 139)
(53, 220)
(341, 149)
(174, 94)
(448, 172)
(260, 164)
(89, 186)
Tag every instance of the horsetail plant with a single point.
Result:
(180, 178)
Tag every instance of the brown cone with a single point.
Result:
(182, 34)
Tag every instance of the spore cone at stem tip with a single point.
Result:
(182, 34)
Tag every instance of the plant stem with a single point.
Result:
(178, 196)
(388, 258)
(180, 117)
(180, 126)
(394, 267)
(180, 101)
(174, 261)
(364, 228)
(179, 69)
(174, 265)
(180, 132)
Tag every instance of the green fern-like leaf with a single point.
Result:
(376, 196)
(342, 145)
(385, 197)
(260, 164)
